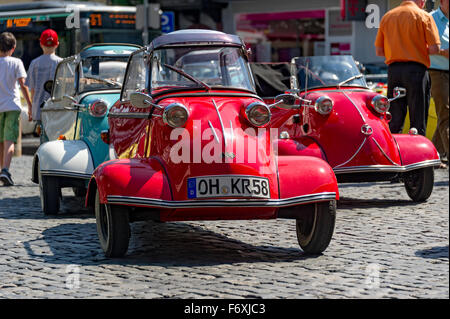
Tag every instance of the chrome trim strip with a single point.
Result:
(65, 174)
(214, 132)
(387, 168)
(131, 115)
(382, 151)
(107, 91)
(356, 153)
(231, 133)
(325, 196)
(221, 122)
(348, 97)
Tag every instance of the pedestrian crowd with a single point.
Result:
(413, 42)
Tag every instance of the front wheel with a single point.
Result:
(419, 184)
(49, 192)
(316, 226)
(113, 228)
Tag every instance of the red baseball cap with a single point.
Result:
(49, 38)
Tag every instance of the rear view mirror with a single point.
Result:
(399, 92)
(286, 101)
(141, 100)
(69, 103)
(48, 86)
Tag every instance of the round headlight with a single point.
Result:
(323, 105)
(380, 103)
(258, 114)
(98, 108)
(175, 115)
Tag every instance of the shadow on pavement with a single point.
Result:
(441, 184)
(152, 243)
(30, 208)
(433, 253)
(345, 202)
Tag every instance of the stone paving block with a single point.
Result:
(384, 246)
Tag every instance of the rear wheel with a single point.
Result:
(113, 228)
(316, 226)
(49, 193)
(419, 184)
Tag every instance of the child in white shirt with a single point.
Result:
(12, 76)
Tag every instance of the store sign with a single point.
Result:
(18, 23)
(353, 10)
(112, 20)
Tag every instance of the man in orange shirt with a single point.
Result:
(406, 37)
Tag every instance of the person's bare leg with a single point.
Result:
(8, 152)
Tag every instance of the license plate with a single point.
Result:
(228, 186)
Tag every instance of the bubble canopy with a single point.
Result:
(195, 37)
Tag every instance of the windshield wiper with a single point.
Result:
(350, 79)
(188, 76)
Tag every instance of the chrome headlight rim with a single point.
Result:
(170, 108)
(95, 105)
(380, 104)
(319, 105)
(249, 113)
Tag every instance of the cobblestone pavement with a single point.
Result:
(384, 246)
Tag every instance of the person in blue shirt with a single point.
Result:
(439, 82)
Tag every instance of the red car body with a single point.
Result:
(205, 169)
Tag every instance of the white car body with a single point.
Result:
(65, 159)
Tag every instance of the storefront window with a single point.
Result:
(279, 37)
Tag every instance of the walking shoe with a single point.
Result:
(5, 177)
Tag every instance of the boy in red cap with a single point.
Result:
(40, 71)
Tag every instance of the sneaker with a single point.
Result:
(5, 177)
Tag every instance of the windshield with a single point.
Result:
(200, 67)
(101, 72)
(326, 71)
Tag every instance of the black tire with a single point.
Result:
(49, 193)
(113, 228)
(315, 228)
(419, 184)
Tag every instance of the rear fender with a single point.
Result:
(127, 178)
(415, 149)
(306, 176)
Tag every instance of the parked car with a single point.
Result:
(339, 119)
(84, 88)
(200, 148)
